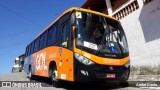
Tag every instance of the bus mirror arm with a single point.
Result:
(73, 19)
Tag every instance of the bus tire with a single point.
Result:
(30, 75)
(54, 77)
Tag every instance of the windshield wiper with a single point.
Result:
(107, 36)
(118, 42)
(106, 32)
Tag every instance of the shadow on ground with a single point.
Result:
(82, 86)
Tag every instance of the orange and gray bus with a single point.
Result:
(81, 45)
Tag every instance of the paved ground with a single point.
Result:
(77, 86)
(144, 78)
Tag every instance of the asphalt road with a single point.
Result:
(45, 82)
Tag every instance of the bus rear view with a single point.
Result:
(101, 49)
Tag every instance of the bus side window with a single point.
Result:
(29, 49)
(36, 45)
(70, 39)
(32, 47)
(26, 51)
(52, 35)
(65, 35)
(43, 40)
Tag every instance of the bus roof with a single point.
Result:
(72, 9)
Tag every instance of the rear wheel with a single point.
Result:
(30, 75)
(54, 77)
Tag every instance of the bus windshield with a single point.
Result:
(98, 35)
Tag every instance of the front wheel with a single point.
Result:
(54, 77)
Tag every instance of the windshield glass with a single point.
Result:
(97, 34)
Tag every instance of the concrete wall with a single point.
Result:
(142, 29)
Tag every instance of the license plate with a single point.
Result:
(110, 75)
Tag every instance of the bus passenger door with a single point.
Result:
(66, 53)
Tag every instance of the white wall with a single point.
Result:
(142, 29)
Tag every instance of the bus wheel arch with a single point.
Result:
(51, 65)
(53, 74)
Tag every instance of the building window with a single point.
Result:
(146, 1)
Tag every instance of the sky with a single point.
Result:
(22, 20)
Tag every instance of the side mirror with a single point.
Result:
(73, 19)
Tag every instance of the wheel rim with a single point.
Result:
(30, 74)
(55, 75)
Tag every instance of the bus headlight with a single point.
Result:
(127, 64)
(83, 59)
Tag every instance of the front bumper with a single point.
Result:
(96, 72)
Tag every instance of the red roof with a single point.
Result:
(97, 5)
